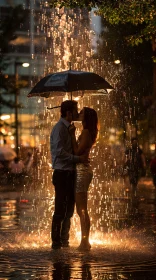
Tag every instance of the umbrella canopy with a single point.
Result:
(68, 81)
(7, 153)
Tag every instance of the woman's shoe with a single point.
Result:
(84, 247)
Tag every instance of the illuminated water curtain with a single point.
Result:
(71, 36)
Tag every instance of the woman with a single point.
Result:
(84, 174)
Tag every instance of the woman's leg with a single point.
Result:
(81, 206)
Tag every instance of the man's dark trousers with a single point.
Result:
(63, 181)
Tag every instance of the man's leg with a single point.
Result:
(69, 210)
(55, 233)
(65, 232)
(59, 181)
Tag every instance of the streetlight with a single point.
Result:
(17, 64)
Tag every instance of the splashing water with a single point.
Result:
(69, 37)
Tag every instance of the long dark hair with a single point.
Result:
(91, 122)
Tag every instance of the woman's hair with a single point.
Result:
(91, 122)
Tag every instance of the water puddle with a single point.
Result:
(123, 241)
(125, 254)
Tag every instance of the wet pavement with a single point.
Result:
(123, 236)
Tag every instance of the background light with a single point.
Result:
(5, 117)
(152, 147)
(117, 61)
(25, 64)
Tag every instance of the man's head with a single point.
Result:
(69, 110)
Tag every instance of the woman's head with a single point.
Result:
(89, 119)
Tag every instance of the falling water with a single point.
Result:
(71, 37)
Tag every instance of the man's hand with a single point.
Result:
(72, 129)
(84, 158)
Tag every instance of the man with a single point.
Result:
(153, 169)
(63, 163)
(135, 163)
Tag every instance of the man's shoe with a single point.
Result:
(65, 245)
(56, 246)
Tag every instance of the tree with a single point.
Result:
(138, 13)
(74, 3)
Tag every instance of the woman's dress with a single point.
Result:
(84, 175)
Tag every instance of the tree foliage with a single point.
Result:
(74, 3)
(137, 12)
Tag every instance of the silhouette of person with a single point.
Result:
(84, 173)
(153, 169)
(63, 163)
(135, 163)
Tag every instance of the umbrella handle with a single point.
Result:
(49, 108)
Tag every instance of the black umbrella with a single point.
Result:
(68, 81)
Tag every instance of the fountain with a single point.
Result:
(72, 36)
(119, 246)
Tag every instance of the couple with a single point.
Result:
(72, 173)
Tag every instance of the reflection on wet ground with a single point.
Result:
(125, 251)
(68, 264)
